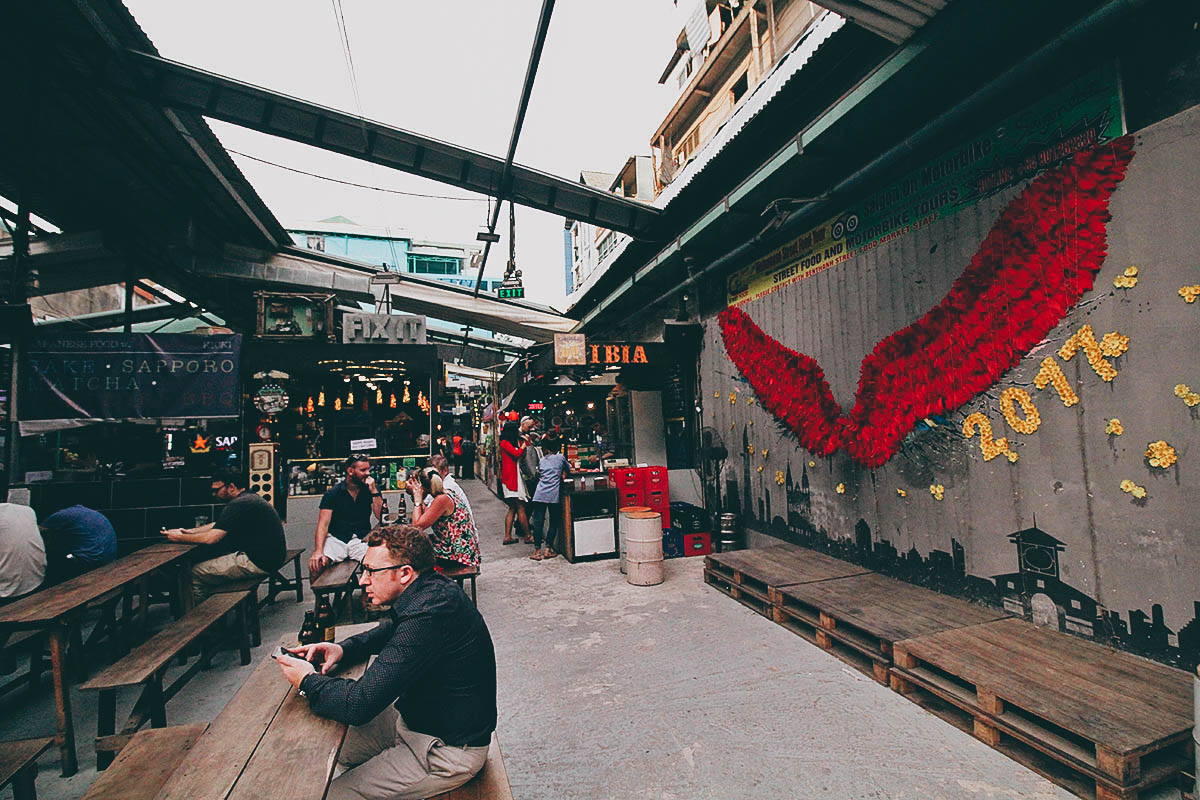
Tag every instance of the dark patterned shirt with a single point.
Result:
(435, 662)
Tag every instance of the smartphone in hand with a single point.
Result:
(280, 652)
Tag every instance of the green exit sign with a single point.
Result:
(511, 292)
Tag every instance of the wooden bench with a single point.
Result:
(752, 577)
(460, 573)
(491, 783)
(335, 586)
(145, 764)
(1097, 721)
(147, 664)
(18, 765)
(276, 582)
(32, 643)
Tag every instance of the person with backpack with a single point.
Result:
(547, 498)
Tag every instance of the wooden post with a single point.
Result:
(106, 725)
(771, 31)
(756, 65)
(64, 737)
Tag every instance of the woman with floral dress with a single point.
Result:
(448, 520)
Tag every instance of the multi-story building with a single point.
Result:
(726, 49)
(393, 248)
(590, 248)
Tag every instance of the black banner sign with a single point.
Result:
(129, 376)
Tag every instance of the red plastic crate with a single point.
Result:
(631, 497)
(624, 478)
(655, 478)
(660, 501)
(697, 544)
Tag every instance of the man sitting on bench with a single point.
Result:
(246, 541)
(423, 713)
(344, 517)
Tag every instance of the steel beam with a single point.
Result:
(171, 84)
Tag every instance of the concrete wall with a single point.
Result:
(1126, 568)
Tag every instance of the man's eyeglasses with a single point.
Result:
(370, 571)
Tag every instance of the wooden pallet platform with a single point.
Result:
(759, 572)
(859, 618)
(1101, 723)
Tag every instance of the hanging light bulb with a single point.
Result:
(321, 399)
(337, 404)
(349, 398)
(309, 405)
(407, 396)
(379, 397)
(392, 402)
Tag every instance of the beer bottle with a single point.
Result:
(308, 630)
(326, 624)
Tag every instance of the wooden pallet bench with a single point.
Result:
(144, 765)
(1099, 722)
(861, 617)
(335, 585)
(18, 765)
(277, 582)
(490, 783)
(752, 576)
(146, 666)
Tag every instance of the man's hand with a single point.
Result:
(316, 563)
(328, 653)
(294, 670)
(174, 534)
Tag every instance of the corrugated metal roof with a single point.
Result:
(825, 26)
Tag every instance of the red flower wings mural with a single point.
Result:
(1038, 259)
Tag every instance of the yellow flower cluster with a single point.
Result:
(1129, 487)
(749, 401)
(779, 479)
(1161, 454)
(1051, 374)
(733, 397)
(902, 493)
(1032, 420)
(1114, 344)
(760, 468)
(1085, 338)
(1127, 280)
(1189, 293)
(812, 463)
(764, 452)
(750, 449)
(1185, 393)
(1114, 427)
(841, 488)
(717, 394)
(937, 490)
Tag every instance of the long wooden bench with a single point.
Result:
(752, 577)
(147, 664)
(335, 586)
(491, 783)
(18, 765)
(277, 582)
(145, 764)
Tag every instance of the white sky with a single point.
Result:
(451, 70)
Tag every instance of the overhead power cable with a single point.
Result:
(357, 185)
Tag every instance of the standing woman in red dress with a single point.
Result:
(512, 447)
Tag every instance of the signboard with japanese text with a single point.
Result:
(129, 376)
(1081, 114)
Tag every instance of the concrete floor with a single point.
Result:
(667, 692)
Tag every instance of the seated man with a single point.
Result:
(22, 552)
(344, 517)
(246, 540)
(424, 711)
(78, 539)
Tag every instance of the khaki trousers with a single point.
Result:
(208, 576)
(387, 761)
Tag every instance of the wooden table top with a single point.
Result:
(1116, 699)
(786, 564)
(266, 742)
(48, 605)
(888, 608)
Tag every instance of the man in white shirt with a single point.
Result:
(22, 552)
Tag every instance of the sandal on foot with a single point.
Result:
(537, 556)
(509, 541)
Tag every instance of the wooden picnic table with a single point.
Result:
(266, 742)
(57, 609)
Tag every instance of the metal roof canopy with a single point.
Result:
(171, 84)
